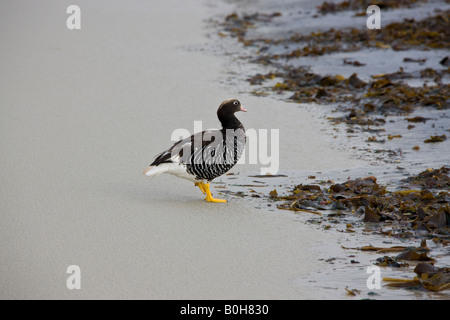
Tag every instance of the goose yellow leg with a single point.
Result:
(201, 186)
(209, 196)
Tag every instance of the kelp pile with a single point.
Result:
(424, 210)
(428, 277)
(419, 206)
(332, 7)
(237, 26)
(429, 33)
(365, 101)
(419, 210)
(381, 95)
(384, 93)
(431, 179)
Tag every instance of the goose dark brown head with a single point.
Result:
(226, 112)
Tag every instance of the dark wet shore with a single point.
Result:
(385, 94)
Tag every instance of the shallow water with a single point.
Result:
(345, 268)
(84, 112)
(82, 115)
(390, 161)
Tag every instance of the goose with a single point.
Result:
(205, 155)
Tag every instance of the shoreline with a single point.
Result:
(83, 112)
(251, 27)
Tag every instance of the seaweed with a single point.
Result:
(419, 207)
(423, 207)
(428, 278)
(384, 94)
(332, 7)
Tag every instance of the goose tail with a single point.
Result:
(154, 171)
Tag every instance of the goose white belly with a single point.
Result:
(215, 155)
(174, 168)
(179, 170)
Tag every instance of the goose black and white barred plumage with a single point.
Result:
(205, 155)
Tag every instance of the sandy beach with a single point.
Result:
(82, 114)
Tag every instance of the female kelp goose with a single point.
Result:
(205, 155)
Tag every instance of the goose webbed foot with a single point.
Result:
(204, 187)
(201, 186)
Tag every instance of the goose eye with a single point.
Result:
(236, 103)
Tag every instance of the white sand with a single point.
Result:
(81, 115)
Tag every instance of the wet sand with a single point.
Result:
(82, 114)
(256, 29)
